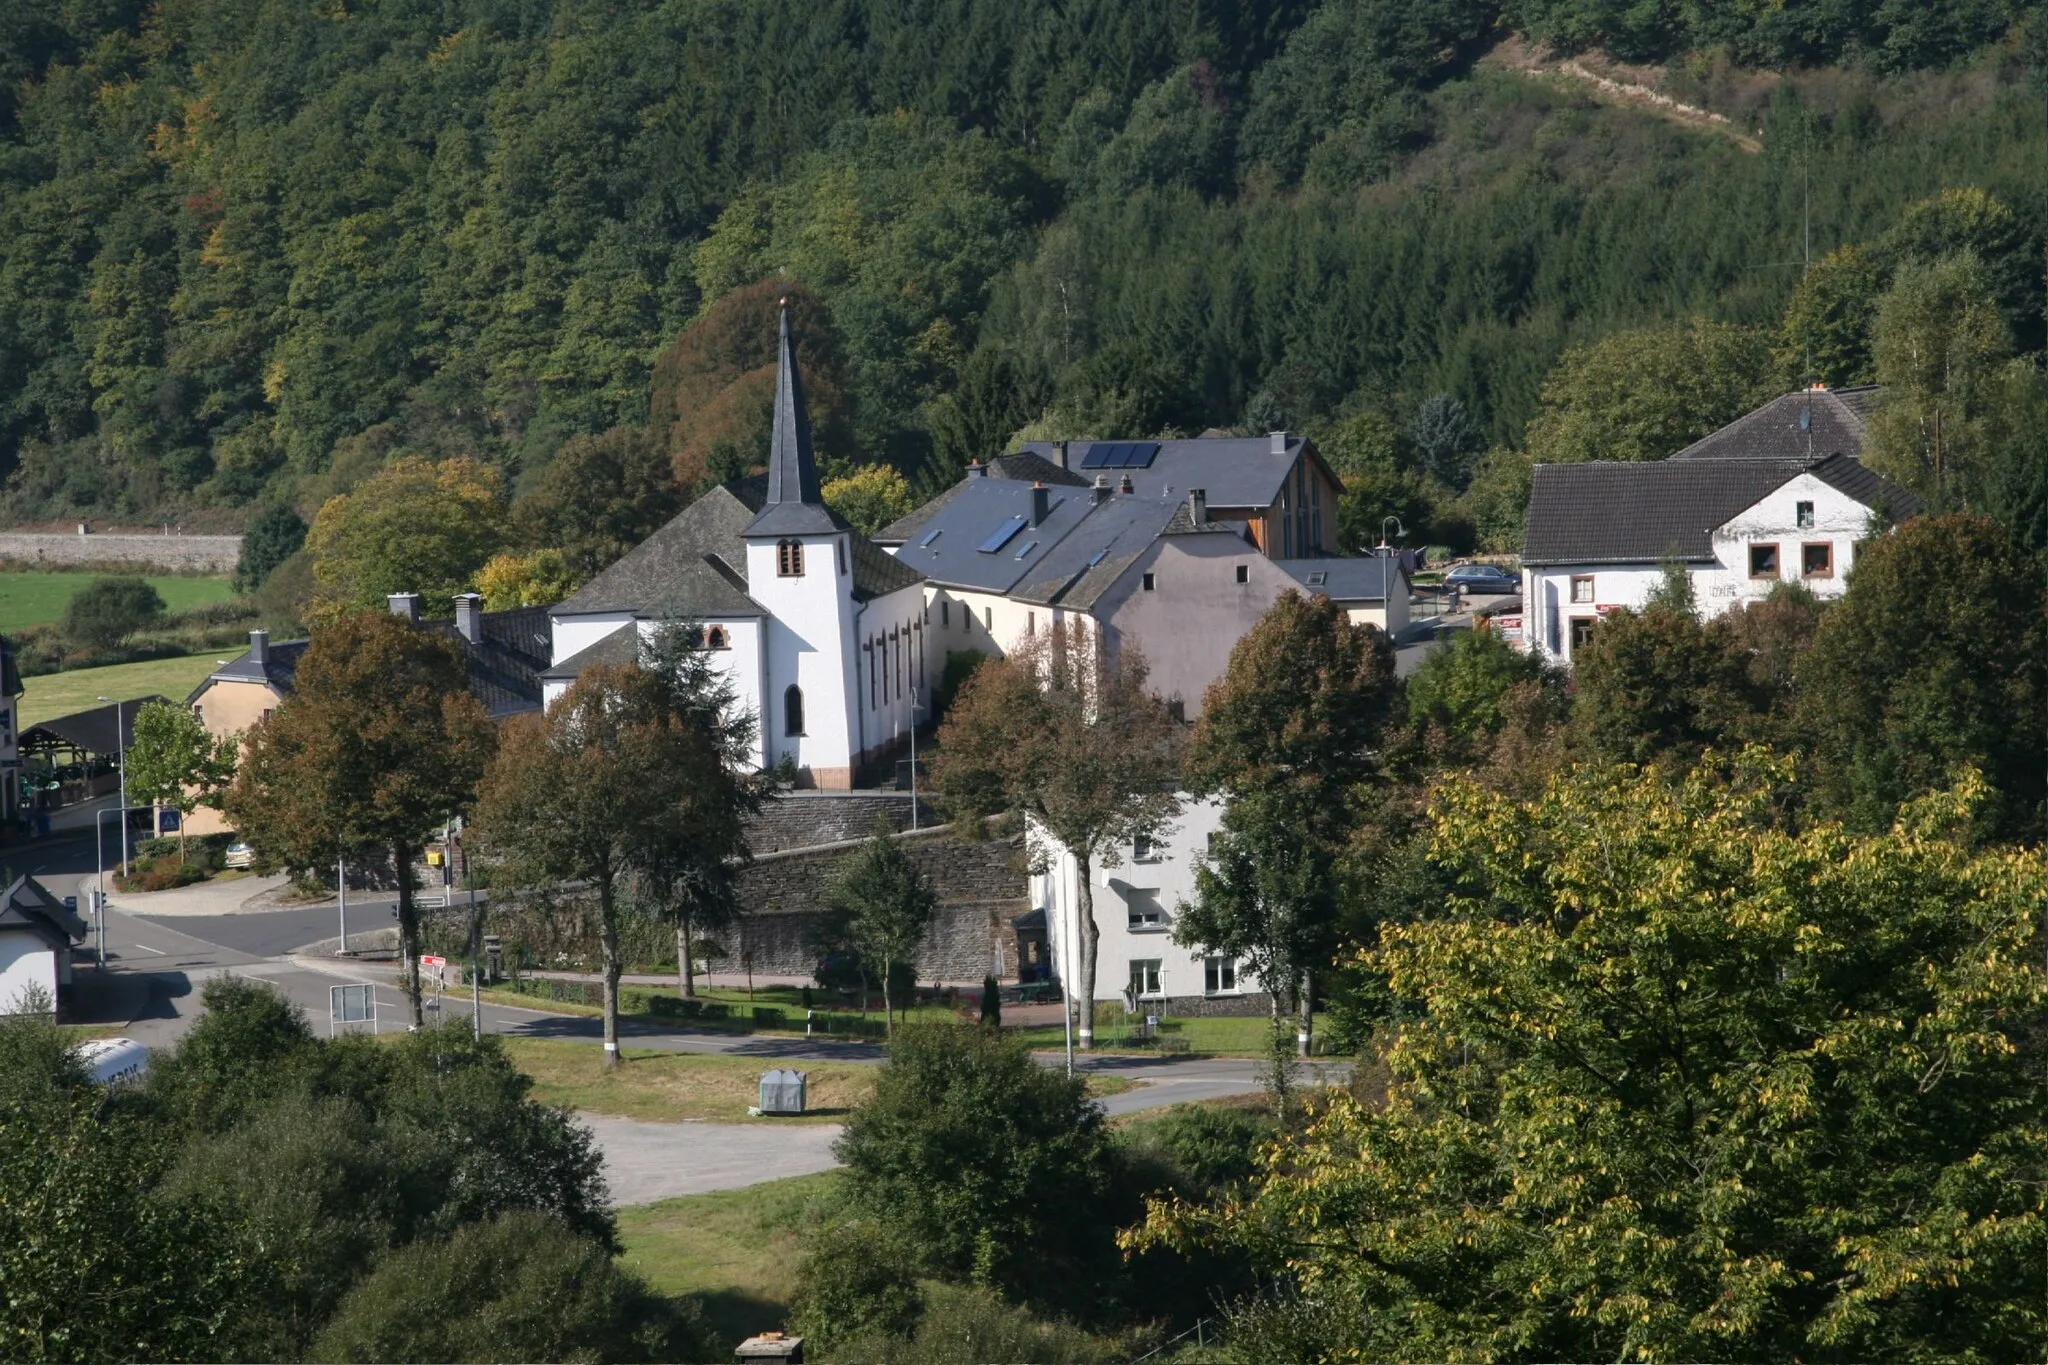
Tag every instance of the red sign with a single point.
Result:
(429, 960)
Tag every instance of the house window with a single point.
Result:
(1582, 631)
(1817, 559)
(1582, 588)
(1210, 841)
(1031, 623)
(988, 618)
(1763, 561)
(1803, 514)
(1244, 573)
(839, 553)
(945, 615)
(1143, 850)
(793, 710)
(716, 638)
(1150, 583)
(1145, 978)
(1219, 976)
(1145, 912)
(789, 559)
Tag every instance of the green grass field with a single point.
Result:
(60, 694)
(38, 599)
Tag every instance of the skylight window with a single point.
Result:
(1029, 546)
(1001, 535)
(929, 540)
(1317, 579)
(1098, 556)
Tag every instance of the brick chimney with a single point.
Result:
(1125, 486)
(1101, 489)
(976, 469)
(1041, 503)
(469, 616)
(1198, 506)
(405, 605)
(259, 647)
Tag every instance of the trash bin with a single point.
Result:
(782, 1091)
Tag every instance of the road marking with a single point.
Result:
(147, 949)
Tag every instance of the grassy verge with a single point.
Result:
(734, 1251)
(673, 1086)
(60, 694)
(34, 598)
(1230, 1036)
(670, 1087)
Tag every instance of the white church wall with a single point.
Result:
(809, 645)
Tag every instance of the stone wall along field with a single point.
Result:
(167, 554)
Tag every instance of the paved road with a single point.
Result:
(157, 968)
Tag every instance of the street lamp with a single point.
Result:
(1399, 529)
(121, 752)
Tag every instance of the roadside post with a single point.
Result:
(341, 886)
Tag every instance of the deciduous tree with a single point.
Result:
(1939, 343)
(273, 536)
(379, 741)
(599, 497)
(870, 497)
(414, 526)
(1678, 1083)
(1076, 743)
(1645, 393)
(1286, 737)
(174, 761)
(887, 904)
(107, 611)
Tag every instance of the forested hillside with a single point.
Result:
(237, 236)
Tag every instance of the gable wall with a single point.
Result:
(1195, 613)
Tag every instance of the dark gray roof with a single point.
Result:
(505, 661)
(1624, 513)
(93, 730)
(28, 904)
(693, 567)
(622, 646)
(877, 573)
(1834, 421)
(1236, 471)
(1360, 578)
(1027, 468)
(946, 548)
(1107, 541)
(794, 506)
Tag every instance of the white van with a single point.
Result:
(115, 1061)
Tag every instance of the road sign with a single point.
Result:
(351, 1005)
(430, 961)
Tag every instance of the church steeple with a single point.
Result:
(794, 506)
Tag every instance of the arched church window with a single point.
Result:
(789, 558)
(715, 638)
(793, 710)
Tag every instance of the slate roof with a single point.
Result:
(505, 662)
(1236, 471)
(1027, 468)
(28, 904)
(1630, 513)
(1835, 422)
(1359, 578)
(622, 646)
(694, 567)
(946, 548)
(1107, 541)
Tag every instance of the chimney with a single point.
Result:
(976, 469)
(469, 616)
(405, 605)
(1059, 453)
(1041, 503)
(1279, 443)
(1101, 489)
(259, 647)
(1198, 506)
(1125, 486)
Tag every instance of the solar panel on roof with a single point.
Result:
(1097, 456)
(1120, 455)
(1001, 536)
(926, 543)
(1139, 454)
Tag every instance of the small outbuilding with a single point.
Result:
(36, 934)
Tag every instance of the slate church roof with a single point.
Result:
(793, 506)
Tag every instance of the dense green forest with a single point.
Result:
(239, 236)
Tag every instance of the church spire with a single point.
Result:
(794, 506)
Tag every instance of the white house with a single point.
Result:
(1136, 901)
(1742, 511)
(36, 934)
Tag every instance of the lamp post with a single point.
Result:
(121, 751)
(914, 709)
(1399, 530)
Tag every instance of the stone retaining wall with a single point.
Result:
(981, 889)
(173, 554)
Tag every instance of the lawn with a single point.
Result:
(1230, 1036)
(736, 1251)
(37, 599)
(670, 1087)
(61, 694)
(673, 1086)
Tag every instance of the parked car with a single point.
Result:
(239, 855)
(1483, 580)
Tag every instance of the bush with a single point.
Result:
(1208, 1147)
(107, 611)
(520, 1287)
(162, 873)
(973, 1324)
(856, 1280)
